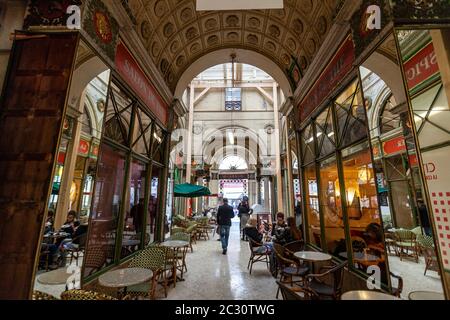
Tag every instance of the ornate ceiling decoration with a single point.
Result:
(175, 34)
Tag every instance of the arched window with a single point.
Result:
(233, 163)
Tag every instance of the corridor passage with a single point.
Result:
(213, 276)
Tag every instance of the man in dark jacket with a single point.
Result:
(224, 216)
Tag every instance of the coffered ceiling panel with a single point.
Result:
(175, 34)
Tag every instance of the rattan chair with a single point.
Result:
(39, 295)
(319, 289)
(256, 256)
(405, 241)
(426, 246)
(153, 258)
(288, 268)
(397, 290)
(181, 236)
(84, 295)
(293, 293)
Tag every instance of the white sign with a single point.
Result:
(374, 20)
(238, 4)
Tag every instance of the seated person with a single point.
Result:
(252, 232)
(78, 238)
(279, 229)
(292, 233)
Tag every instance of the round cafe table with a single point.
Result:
(313, 256)
(123, 278)
(177, 245)
(367, 295)
(426, 295)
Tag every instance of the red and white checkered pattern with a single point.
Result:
(441, 211)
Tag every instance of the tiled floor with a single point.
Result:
(213, 276)
(413, 277)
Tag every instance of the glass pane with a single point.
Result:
(325, 133)
(134, 214)
(307, 142)
(158, 145)
(118, 118)
(142, 136)
(362, 208)
(351, 115)
(331, 207)
(312, 205)
(106, 209)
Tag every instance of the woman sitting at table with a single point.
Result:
(292, 233)
(257, 235)
(279, 229)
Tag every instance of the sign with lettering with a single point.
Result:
(129, 69)
(338, 68)
(421, 67)
(395, 145)
(368, 22)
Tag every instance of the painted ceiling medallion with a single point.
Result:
(102, 26)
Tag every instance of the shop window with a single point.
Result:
(365, 224)
(325, 133)
(312, 205)
(307, 143)
(351, 115)
(105, 209)
(390, 118)
(143, 138)
(330, 205)
(118, 119)
(135, 209)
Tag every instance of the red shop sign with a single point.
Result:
(61, 158)
(338, 68)
(422, 66)
(136, 78)
(413, 162)
(394, 146)
(83, 147)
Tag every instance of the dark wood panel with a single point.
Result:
(30, 125)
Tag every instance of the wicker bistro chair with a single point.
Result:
(293, 293)
(84, 295)
(289, 268)
(319, 290)
(405, 241)
(39, 295)
(426, 246)
(153, 258)
(293, 247)
(181, 258)
(256, 256)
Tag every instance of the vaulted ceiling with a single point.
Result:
(175, 34)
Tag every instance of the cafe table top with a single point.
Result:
(313, 256)
(125, 277)
(175, 244)
(367, 295)
(361, 256)
(426, 295)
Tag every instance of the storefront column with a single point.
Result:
(290, 177)
(441, 43)
(189, 142)
(278, 134)
(258, 191)
(267, 204)
(63, 205)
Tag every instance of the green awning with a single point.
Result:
(187, 190)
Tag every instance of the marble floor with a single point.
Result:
(413, 277)
(214, 276)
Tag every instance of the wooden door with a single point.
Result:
(31, 114)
